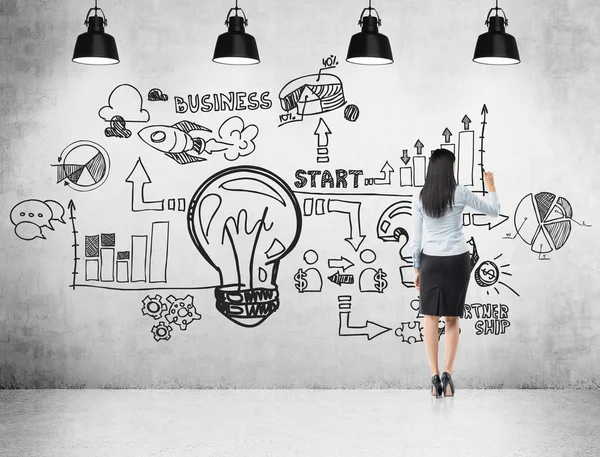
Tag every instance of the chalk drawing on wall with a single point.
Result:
(474, 254)
(314, 94)
(235, 138)
(322, 133)
(156, 95)
(392, 222)
(83, 166)
(110, 260)
(176, 312)
(117, 129)
(385, 180)
(31, 216)
(309, 280)
(543, 221)
(180, 142)
(138, 178)
(127, 102)
(489, 273)
(187, 142)
(351, 113)
(373, 280)
(391, 228)
(244, 220)
(369, 329)
(483, 220)
(352, 210)
(341, 278)
(410, 332)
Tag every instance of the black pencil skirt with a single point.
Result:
(444, 283)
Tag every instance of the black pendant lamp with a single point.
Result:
(369, 47)
(95, 47)
(236, 47)
(496, 47)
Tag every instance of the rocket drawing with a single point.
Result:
(181, 142)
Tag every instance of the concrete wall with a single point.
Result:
(94, 302)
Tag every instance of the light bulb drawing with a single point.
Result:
(244, 220)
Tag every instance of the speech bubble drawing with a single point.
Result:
(28, 231)
(57, 209)
(34, 211)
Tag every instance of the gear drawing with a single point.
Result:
(182, 311)
(154, 307)
(414, 331)
(162, 331)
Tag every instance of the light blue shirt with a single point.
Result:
(445, 234)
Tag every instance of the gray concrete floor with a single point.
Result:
(242, 423)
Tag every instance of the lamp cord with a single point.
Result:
(370, 8)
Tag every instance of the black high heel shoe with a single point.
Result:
(436, 383)
(447, 381)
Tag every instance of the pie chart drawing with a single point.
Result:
(84, 166)
(543, 221)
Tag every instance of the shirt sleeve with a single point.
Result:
(489, 207)
(417, 231)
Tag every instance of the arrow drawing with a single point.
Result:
(447, 134)
(138, 179)
(352, 209)
(342, 263)
(387, 171)
(484, 112)
(405, 157)
(419, 147)
(75, 258)
(322, 131)
(340, 279)
(466, 121)
(483, 219)
(370, 329)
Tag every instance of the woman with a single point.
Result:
(442, 266)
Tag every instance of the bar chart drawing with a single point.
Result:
(144, 261)
(466, 157)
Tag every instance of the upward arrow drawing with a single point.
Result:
(387, 171)
(138, 179)
(322, 131)
(419, 147)
(447, 134)
(466, 121)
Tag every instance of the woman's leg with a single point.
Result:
(451, 341)
(431, 341)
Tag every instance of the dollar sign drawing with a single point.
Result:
(489, 273)
(300, 279)
(380, 283)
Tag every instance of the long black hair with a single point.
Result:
(438, 192)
